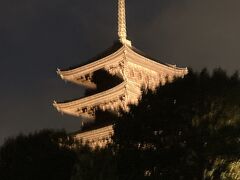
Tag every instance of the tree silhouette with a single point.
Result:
(95, 164)
(42, 155)
(187, 129)
(181, 130)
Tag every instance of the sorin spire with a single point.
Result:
(122, 30)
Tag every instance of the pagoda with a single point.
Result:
(136, 73)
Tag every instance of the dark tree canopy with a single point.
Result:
(188, 129)
(97, 164)
(179, 131)
(50, 155)
(42, 155)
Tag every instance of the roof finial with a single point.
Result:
(122, 30)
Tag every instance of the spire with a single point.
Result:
(122, 30)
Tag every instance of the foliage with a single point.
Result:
(226, 169)
(188, 129)
(179, 131)
(94, 164)
(54, 155)
(233, 171)
(42, 155)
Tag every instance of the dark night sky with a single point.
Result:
(38, 36)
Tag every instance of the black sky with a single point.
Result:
(38, 36)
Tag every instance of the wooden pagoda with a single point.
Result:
(135, 71)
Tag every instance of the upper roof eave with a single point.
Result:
(155, 62)
(116, 48)
(101, 63)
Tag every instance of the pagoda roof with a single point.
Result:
(93, 65)
(108, 51)
(115, 54)
(83, 106)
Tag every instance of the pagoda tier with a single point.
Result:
(99, 137)
(113, 99)
(136, 71)
(125, 62)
